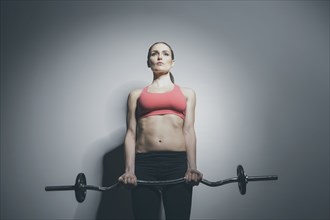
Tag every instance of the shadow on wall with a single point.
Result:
(115, 203)
(107, 153)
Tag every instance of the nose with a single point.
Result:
(160, 56)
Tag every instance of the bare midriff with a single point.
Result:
(160, 133)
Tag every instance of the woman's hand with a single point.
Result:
(193, 176)
(129, 179)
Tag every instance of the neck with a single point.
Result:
(162, 80)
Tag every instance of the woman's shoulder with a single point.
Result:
(189, 92)
(135, 93)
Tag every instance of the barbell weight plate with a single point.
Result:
(241, 179)
(80, 190)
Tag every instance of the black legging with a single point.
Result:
(176, 198)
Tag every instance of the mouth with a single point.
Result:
(160, 63)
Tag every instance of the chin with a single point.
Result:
(160, 71)
(163, 71)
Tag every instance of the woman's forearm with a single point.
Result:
(129, 152)
(190, 139)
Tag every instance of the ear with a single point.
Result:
(173, 62)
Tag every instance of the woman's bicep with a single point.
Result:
(190, 110)
(131, 108)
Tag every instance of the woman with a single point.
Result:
(160, 143)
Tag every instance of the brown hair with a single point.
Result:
(172, 55)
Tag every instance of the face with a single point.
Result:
(160, 59)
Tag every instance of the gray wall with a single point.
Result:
(260, 70)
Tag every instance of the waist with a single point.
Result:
(161, 165)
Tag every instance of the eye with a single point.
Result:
(154, 53)
(166, 53)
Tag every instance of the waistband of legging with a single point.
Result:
(161, 154)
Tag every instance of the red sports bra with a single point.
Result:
(171, 102)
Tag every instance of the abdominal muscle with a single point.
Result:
(160, 133)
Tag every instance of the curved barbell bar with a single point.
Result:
(81, 186)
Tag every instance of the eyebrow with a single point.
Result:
(161, 51)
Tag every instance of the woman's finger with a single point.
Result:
(192, 177)
(188, 177)
(196, 177)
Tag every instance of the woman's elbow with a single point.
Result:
(130, 134)
(189, 130)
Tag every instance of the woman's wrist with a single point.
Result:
(129, 170)
(192, 166)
